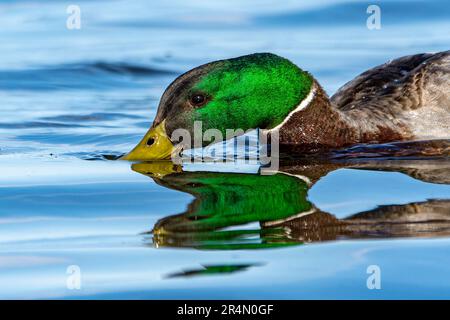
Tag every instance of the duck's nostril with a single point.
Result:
(150, 141)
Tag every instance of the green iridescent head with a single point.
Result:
(248, 92)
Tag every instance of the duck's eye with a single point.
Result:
(198, 99)
(150, 141)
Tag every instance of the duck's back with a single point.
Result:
(411, 91)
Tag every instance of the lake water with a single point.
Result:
(72, 99)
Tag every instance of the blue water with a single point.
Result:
(71, 99)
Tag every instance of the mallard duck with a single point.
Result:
(405, 99)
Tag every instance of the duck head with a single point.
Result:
(248, 92)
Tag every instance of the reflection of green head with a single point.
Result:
(224, 200)
(231, 199)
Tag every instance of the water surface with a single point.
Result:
(72, 100)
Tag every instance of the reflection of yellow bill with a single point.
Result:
(157, 169)
(155, 145)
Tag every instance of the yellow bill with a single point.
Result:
(155, 145)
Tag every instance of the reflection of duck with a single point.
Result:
(422, 219)
(405, 99)
(279, 204)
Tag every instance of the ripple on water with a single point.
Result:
(38, 124)
(83, 75)
(96, 155)
(97, 116)
(397, 150)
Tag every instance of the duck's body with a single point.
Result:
(405, 99)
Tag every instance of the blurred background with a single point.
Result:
(125, 53)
